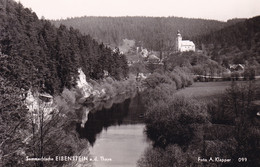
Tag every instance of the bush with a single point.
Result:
(155, 79)
(177, 79)
(171, 156)
(235, 75)
(170, 120)
(69, 96)
(186, 78)
(249, 73)
(160, 93)
(110, 91)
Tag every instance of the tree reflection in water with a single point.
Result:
(127, 112)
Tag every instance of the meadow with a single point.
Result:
(207, 90)
(204, 90)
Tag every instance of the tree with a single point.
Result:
(13, 124)
(51, 132)
(237, 113)
(172, 121)
(249, 73)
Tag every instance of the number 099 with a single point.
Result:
(242, 159)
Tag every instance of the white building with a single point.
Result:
(184, 45)
(144, 52)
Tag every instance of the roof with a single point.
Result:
(152, 57)
(45, 95)
(187, 42)
(233, 66)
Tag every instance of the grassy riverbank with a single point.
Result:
(207, 90)
(204, 90)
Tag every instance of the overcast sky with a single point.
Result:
(208, 9)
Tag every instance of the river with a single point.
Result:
(116, 135)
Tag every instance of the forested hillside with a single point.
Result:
(34, 53)
(236, 44)
(36, 57)
(154, 33)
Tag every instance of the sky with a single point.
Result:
(207, 9)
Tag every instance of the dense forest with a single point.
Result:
(235, 44)
(154, 33)
(35, 53)
(35, 56)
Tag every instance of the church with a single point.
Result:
(184, 45)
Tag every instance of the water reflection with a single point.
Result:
(127, 112)
(123, 144)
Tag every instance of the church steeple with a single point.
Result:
(183, 45)
(178, 33)
(178, 41)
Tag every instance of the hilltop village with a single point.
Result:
(183, 50)
(156, 56)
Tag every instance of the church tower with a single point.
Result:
(178, 41)
(184, 45)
